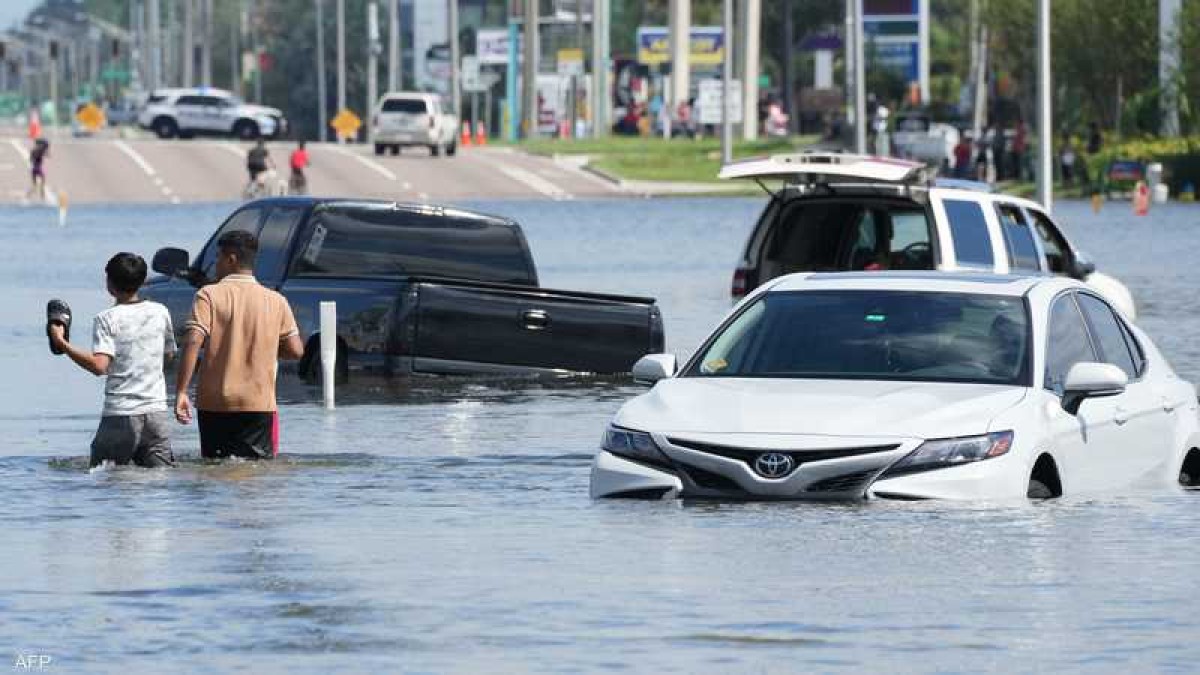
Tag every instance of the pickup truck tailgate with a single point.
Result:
(460, 324)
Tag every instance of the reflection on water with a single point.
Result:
(443, 525)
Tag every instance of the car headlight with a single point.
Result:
(635, 445)
(946, 452)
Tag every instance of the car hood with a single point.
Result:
(860, 408)
(261, 110)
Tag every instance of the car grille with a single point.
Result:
(843, 483)
(748, 455)
(709, 480)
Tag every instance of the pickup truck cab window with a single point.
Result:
(972, 243)
(248, 219)
(362, 242)
(1022, 250)
(273, 248)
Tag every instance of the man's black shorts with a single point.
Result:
(250, 435)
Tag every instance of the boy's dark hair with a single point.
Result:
(126, 272)
(242, 244)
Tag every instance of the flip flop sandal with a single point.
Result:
(58, 312)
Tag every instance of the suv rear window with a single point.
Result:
(413, 106)
(835, 235)
(386, 242)
(972, 244)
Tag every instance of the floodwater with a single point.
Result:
(445, 525)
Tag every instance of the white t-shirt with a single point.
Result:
(136, 336)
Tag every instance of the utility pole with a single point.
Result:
(789, 45)
(848, 47)
(680, 27)
(372, 65)
(1045, 172)
(923, 50)
(341, 55)
(207, 44)
(455, 60)
(727, 84)
(752, 25)
(577, 80)
(235, 79)
(1168, 64)
(322, 125)
(860, 83)
(189, 44)
(530, 70)
(155, 45)
(393, 45)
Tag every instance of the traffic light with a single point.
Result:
(53, 50)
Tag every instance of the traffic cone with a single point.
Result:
(480, 133)
(466, 135)
(35, 125)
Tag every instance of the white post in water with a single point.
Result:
(328, 350)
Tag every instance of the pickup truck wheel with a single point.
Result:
(379, 148)
(165, 127)
(435, 150)
(395, 149)
(245, 130)
(452, 149)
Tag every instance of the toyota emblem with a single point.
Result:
(773, 465)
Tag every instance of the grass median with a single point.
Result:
(657, 159)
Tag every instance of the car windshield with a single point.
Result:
(874, 335)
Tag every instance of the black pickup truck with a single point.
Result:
(419, 289)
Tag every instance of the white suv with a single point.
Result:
(205, 111)
(846, 213)
(414, 119)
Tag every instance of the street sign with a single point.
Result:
(708, 104)
(346, 124)
(469, 74)
(570, 62)
(90, 116)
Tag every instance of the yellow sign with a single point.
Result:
(707, 45)
(346, 123)
(90, 116)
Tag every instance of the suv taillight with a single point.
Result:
(739, 282)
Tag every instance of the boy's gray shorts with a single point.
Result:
(142, 439)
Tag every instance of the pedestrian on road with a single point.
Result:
(962, 156)
(37, 167)
(298, 182)
(129, 342)
(258, 160)
(245, 328)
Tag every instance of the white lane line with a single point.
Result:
(231, 148)
(406, 185)
(365, 161)
(535, 182)
(22, 151)
(136, 157)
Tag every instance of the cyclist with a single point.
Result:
(298, 183)
(258, 161)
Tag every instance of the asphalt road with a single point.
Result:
(114, 170)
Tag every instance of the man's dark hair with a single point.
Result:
(126, 272)
(242, 244)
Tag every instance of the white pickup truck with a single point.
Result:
(840, 212)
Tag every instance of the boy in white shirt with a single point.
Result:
(129, 342)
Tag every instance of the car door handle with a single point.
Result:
(535, 319)
(1120, 416)
(1167, 406)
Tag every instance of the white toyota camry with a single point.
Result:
(909, 386)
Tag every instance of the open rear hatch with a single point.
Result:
(813, 168)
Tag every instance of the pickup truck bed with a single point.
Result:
(398, 274)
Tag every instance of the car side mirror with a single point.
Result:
(1083, 266)
(1091, 380)
(654, 367)
(173, 262)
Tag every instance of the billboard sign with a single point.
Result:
(891, 29)
(707, 42)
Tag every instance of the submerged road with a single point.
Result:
(115, 170)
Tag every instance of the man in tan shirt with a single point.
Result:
(245, 328)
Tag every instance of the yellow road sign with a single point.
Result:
(90, 116)
(345, 123)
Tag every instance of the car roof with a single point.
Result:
(938, 282)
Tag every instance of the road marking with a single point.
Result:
(365, 161)
(21, 150)
(534, 181)
(233, 149)
(136, 157)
